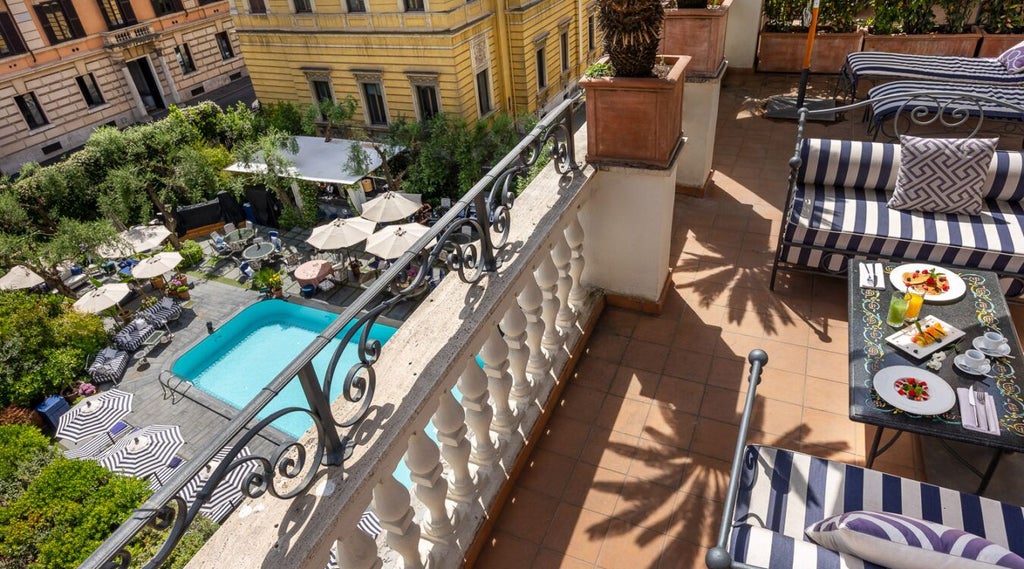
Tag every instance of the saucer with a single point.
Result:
(1004, 348)
(984, 369)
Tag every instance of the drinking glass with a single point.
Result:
(897, 310)
(914, 298)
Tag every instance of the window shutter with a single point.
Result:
(47, 28)
(72, 15)
(127, 12)
(10, 33)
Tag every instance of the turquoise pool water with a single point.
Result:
(240, 358)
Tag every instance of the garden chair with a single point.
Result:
(109, 366)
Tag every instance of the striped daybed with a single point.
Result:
(836, 209)
(985, 101)
(877, 66)
(774, 495)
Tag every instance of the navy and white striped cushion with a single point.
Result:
(938, 67)
(840, 202)
(903, 542)
(786, 491)
(888, 98)
(772, 550)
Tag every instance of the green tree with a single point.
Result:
(329, 119)
(271, 149)
(44, 253)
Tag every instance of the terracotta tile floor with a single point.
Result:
(633, 466)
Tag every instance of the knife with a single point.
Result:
(870, 268)
(974, 405)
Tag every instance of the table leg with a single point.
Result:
(987, 477)
(876, 452)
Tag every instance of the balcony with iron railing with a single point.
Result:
(481, 360)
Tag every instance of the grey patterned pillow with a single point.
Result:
(942, 175)
(1013, 58)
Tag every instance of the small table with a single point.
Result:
(243, 234)
(982, 308)
(258, 252)
(154, 338)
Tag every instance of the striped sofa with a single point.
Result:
(836, 209)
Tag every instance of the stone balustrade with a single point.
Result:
(127, 37)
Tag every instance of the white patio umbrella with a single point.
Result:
(19, 277)
(156, 265)
(135, 240)
(391, 206)
(393, 240)
(94, 415)
(102, 298)
(341, 232)
(143, 452)
(228, 492)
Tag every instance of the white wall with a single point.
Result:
(741, 40)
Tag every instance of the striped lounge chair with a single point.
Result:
(162, 312)
(837, 209)
(109, 366)
(979, 101)
(774, 495)
(877, 66)
(130, 337)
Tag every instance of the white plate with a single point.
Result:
(1004, 348)
(904, 338)
(959, 363)
(957, 286)
(941, 395)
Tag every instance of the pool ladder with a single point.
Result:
(171, 385)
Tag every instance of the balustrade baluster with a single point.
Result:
(358, 551)
(560, 255)
(513, 324)
(547, 279)
(391, 502)
(424, 461)
(473, 385)
(530, 300)
(499, 380)
(450, 421)
(574, 235)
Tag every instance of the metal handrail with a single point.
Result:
(718, 557)
(493, 195)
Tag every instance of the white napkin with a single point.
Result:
(865, 276)
(989, 414)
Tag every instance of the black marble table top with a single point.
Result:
(981, 309)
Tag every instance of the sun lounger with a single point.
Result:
(162, 312)
(879, 65)
(109, 366)
(130, 337)
(95, 446)
(963, 99)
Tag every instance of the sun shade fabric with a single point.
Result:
(942, 175)
(1013, 58)
(904, 542)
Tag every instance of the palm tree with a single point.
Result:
(632, 29)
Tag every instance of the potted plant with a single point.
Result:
(1001, 24)
(783, 38)
(178, 287)
(634, 114)
(908, 26)
(698, 30)
(276, 284)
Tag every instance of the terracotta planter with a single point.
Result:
(636, 121)
(699, 33)
(994, 44)
(960, 45)
(778, 51)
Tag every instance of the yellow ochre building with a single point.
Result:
(415, 58)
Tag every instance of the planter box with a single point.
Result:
(699, 33)
(777, 51)
(635, 121)
(960, 45)
(994, 44)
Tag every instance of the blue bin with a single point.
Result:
(249, 213)
(52, 409)
(308, 291)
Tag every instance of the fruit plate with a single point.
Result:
(941, 396)
(904, 339)
(957, 286)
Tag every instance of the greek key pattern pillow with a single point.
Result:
(1013, 58)
(942, 175)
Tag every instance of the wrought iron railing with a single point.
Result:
(486, 210)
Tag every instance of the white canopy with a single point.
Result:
(319, 161)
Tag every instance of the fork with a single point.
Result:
(972, 399)
(870, 268)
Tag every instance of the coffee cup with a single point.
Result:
(993, 341)
(974, 359)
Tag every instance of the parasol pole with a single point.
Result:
(806, 71)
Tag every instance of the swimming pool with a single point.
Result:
(240, 358)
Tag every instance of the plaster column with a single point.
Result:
(741, 40)
(138, 109)
(700, 117)
(628, 224)
(172, 89)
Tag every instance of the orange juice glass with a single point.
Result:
(915, 298)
